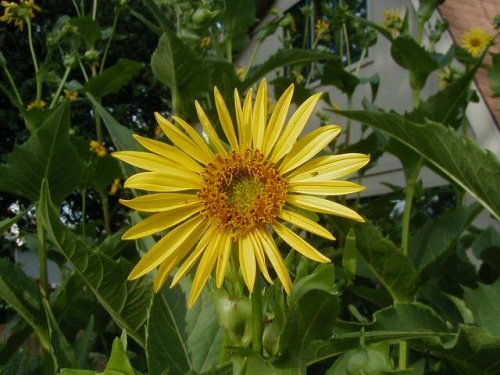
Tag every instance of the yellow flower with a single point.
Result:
(322, 28)
(19, 12)
(476, 40)
(229, 200)
(205, 42)
(40, 104)
(70, 95)
(115, 186)
(393, 21)
(240, 72)
(448, 76)
(98, 148)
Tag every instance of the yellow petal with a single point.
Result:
(324, 206)
(169, 152)
(247, 121)
(294, 127)
(165, 268)
(308, 146)
(223, 259)
(175, 180)
(209, 236)
(277, 120)
(204, 270)
(225, 120)
(209, 129)
(181, 140)
(167, 245)
(195, 137)
(259, 117)
(330, 167)
(239, 116)
(145, 160)
(305, 223)
(247, 262)
(297, 243)
(325, 187)
(160, 221)
(162, 202)
(275, 258)
(259, 255)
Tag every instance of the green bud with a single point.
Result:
(91, 55)
(69, 61)
(235, 317)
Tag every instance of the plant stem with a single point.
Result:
(108, 44)
(410, 191)
(35, 62)
(257, 316)
(76, 8)
(346, 38)
(42, 257)
(229, 48)
(105, 212)
(59, 89)
(348, 126)
(84, 72)
(403, 355)
(13, 85)
(252, 58)
(360, 61)
(94, 10)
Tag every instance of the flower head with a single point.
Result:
(70, 95)
(393, 21)
(40, 104)
(476, 40)
(448, 76)
(98, 148)
(19, 12)
(322, 28)
(230, 200)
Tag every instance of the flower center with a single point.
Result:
(242, 190)
(475, 42)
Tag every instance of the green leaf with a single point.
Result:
(322, 278)
(238, 16)
(475, 353)
(5, 224)
(374, 81)
(21, 293)
(335, 74)
(457, 157)
(484, 302)
(435, 237)
(349, 260)
(127, 302)
(426, 8)
(84, 343)
(409, 55)
(88, 30)
(282, 58)
(119, 360)
(48, 153)
(393, 269)
(494, 74)
(112, 79)
(165, 341)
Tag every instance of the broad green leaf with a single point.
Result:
(322, 278)
(488, 238)
(112, 79)
(205, 336)
(475, 353)
(393, 269)
(84, 343)
(494, 74)
(335, 74)
(165, 340)
(119, 361)
(457, 157)
(283, 58)
(402, 321)
(484, 302)
(236, 19)
(21, 293)
(426, 8)
(127, 302)
(435, 237)
(409, 55)
(88, 30)
(48, 153)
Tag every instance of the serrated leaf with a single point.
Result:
(435, 237)
(282, 58)
(484, 302)
(112, 79)
(127, 302)
(457, 157)
(48, 153)
(393, 269)
(165, 343)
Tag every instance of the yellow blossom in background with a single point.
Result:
(448, 76)
(115, 186)
(70, 95)
(40, 104)
(98, 148)
(476, 40)
(206, 42)
(322, 28)
(18, 12)
(240, 72)
(393, 21)
(221, 202)
(158, 131)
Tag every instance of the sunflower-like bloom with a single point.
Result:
(221, 199)
(476, 40)
(19, 12)
(393, 21)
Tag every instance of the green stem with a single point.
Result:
(360, 61)
(257, 316)
(76, 8)
(410, 191)
(84, 72)
(94, 10)
(35, 62)
(42, 257)
(108, 44)
(13, 85)
(403, 355)
(105, 212)
(252, 58)
(346, 38)
(348, 126)
(59, 89)
(229, 48)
